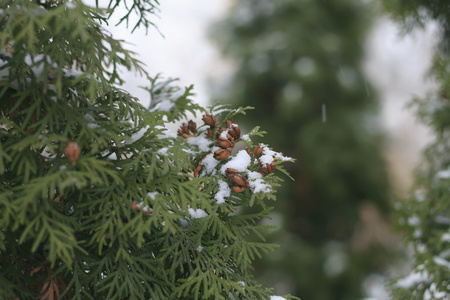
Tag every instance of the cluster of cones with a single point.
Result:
(188, 130)
(265, 168)
(239, 180)
(226, 138)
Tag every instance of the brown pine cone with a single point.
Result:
(222, 154)
(209, 120)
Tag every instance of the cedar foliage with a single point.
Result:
(424, 217)
(98, 198)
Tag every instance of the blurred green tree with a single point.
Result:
(424, 217)
(299, 62)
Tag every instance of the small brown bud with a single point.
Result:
(184, 128)
(72, 152)
(219, 132)
(192, 126)
(228, 123)
(273, 165)
(209, 120)
(240, 180)
(247, 150)
(181, 133)
(264, 171)
(9, 48)
(222, 154)
(224, 143)
(209, 133)
(199, 167)
(134, 206)
(258, 150)
(235, 132)
(268, 168)
(231, 172)
(236, 177)
(197, 170)
(187, 130)
(237, 189)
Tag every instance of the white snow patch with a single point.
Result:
(224, 191)
(209, 163)
(443, 174)
(163, 151)
(240, 162)
(4, 73)
(189, 151)
(414, 221)
(37, 63)
(257, 184)
(197, 213)
(152, 195)
(219, 109)
(201, 142)
(165, 105)
(184, 223)
(412, 279)
(432, 293)
(421, 248)
(242, 283)
(92, 125)
(89, 118)
(199, 248)
(177, 95)
(441, 262)
(440, 219)
(139, 134)
(72, 72)
(419, 195)
(245, 138)
(36, 66)
(417, 233)
(223, 134)
(52, 87)
(277, 298)
(445, 237)
(167, 133)
(147, 209)
(113, 156)
(70, 5)
(266, 159)
(274, 154)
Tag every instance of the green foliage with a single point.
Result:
(299, 63)
(424, 217)
(412, 13)
(98, 198)
(144, 9)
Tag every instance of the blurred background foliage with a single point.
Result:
(299, 64)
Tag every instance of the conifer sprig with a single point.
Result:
(99, 199)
